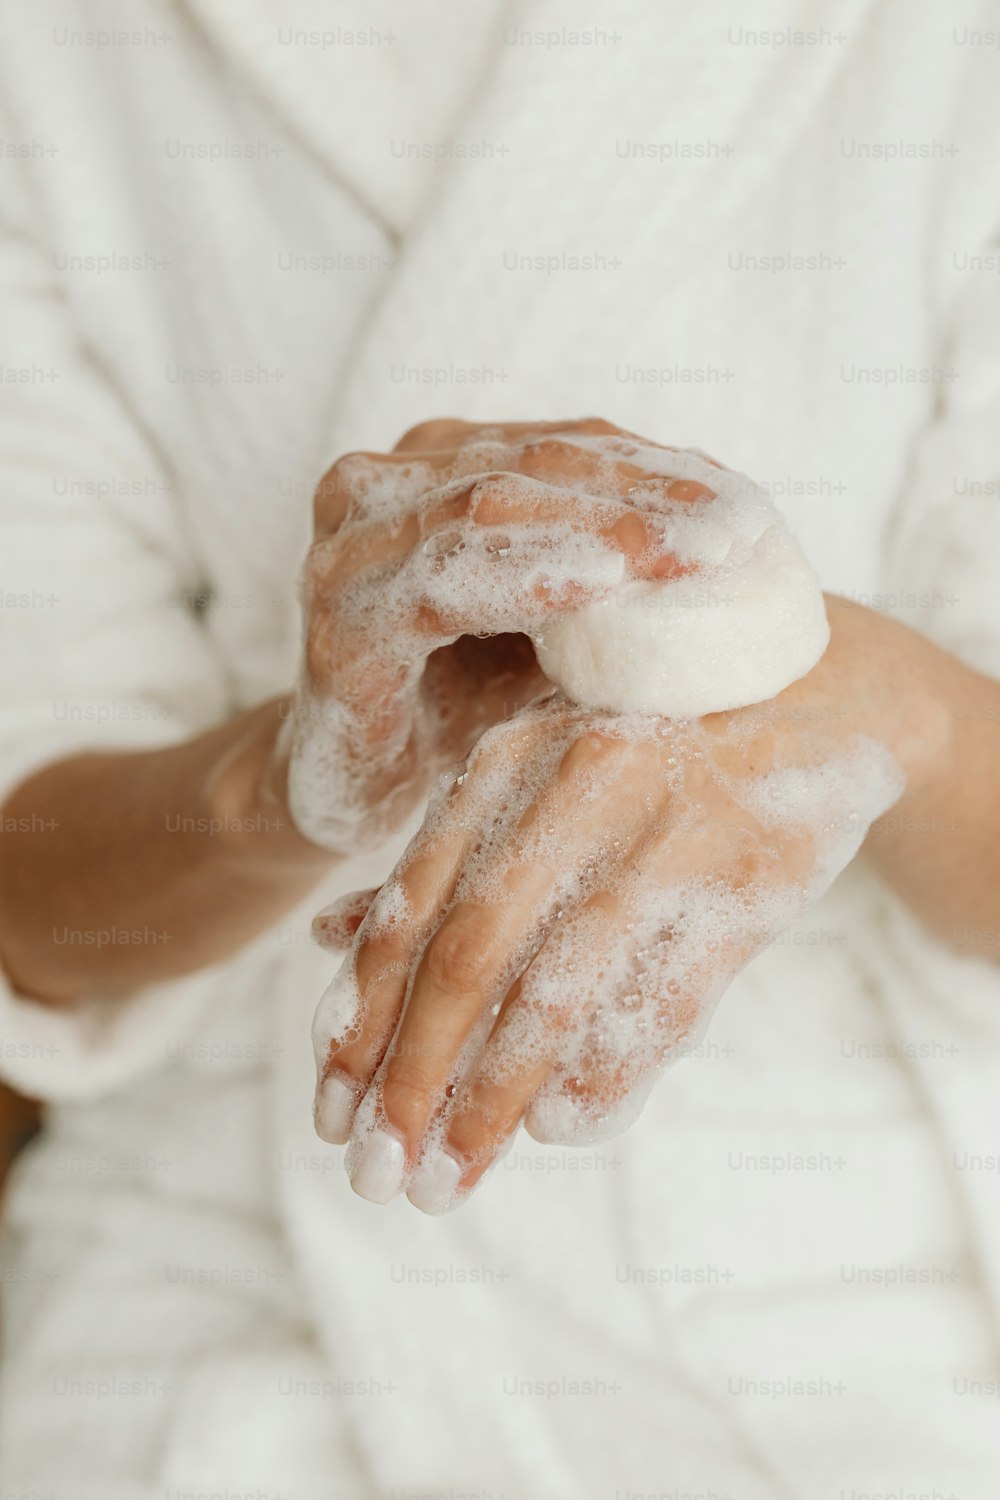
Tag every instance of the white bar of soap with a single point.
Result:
(713, 639)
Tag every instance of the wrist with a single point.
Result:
(247, 796)
(898, 684)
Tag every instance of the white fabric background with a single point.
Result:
(180, 1135)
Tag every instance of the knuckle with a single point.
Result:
(339, 487)
(318, 568)
(590, 752)
(554, 457)
(548, 447)
(346, 468)
(330, 501)
(597, 425)
(630, 532)
(407, 1087)
(460, 956)
(444, 516)
(318, 649)
(689, 490)
(436, 432)
(494, 497)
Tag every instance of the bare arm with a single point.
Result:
(157, 862)
(19, 1120)
(940, 846)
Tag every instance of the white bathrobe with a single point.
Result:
(327, 222)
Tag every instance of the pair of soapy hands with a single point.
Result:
(584, 885)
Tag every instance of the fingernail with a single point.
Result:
(379, 1170)
(434, 1183)
(334, 1109)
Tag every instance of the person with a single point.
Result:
(214, 283)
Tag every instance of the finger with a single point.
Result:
(473, 578)
(625, 984)
(422, 458)
(490, 497)
(540, 1033)
(568, 454)
(449, 433)
(360, 482)
(437, 434)
(335, 646)
(491, 932)
(591, 466)
(541, 1036)
(497, 552)
(509, 577)
(566, 461)
(335, 926)
(359, 1011)
(483, 576)
(622, 987)
(574, 1055)
(480, 581)
(515, 1062)
(469, 961)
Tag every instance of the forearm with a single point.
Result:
(939, 847)
(137, 867)
(19, 1120)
